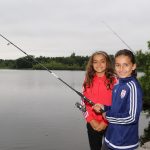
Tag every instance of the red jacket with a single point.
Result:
(98, 93)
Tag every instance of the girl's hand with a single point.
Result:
(102, 126)
(98, 126)
(97, 107)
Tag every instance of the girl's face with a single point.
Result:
(124, 66)
(99, 64)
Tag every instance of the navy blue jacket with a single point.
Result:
(123, 115)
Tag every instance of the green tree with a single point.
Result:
(145, 80)
(25, 62)
(148, 43)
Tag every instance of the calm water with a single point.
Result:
(37, 111)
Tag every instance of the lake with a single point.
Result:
(38, 112)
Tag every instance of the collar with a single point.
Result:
(127, 79)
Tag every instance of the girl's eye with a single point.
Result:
(126, 65)
(116, 65)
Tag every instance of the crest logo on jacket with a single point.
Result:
(123, 93)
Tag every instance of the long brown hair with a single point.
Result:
(90, 72)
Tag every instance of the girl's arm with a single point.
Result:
(134, 107)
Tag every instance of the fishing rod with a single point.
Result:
(78, 105)
(110, 28)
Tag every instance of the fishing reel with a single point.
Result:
(83, 108)
(80, 107)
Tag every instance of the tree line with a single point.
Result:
(53, 63)
(72, 62)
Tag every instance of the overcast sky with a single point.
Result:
(61, 27)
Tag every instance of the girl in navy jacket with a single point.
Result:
(123, 115)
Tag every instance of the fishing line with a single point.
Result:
(78, 105)
(110, 28)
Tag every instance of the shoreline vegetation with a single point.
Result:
(72, 62)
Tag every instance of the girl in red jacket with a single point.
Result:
(97, 87)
